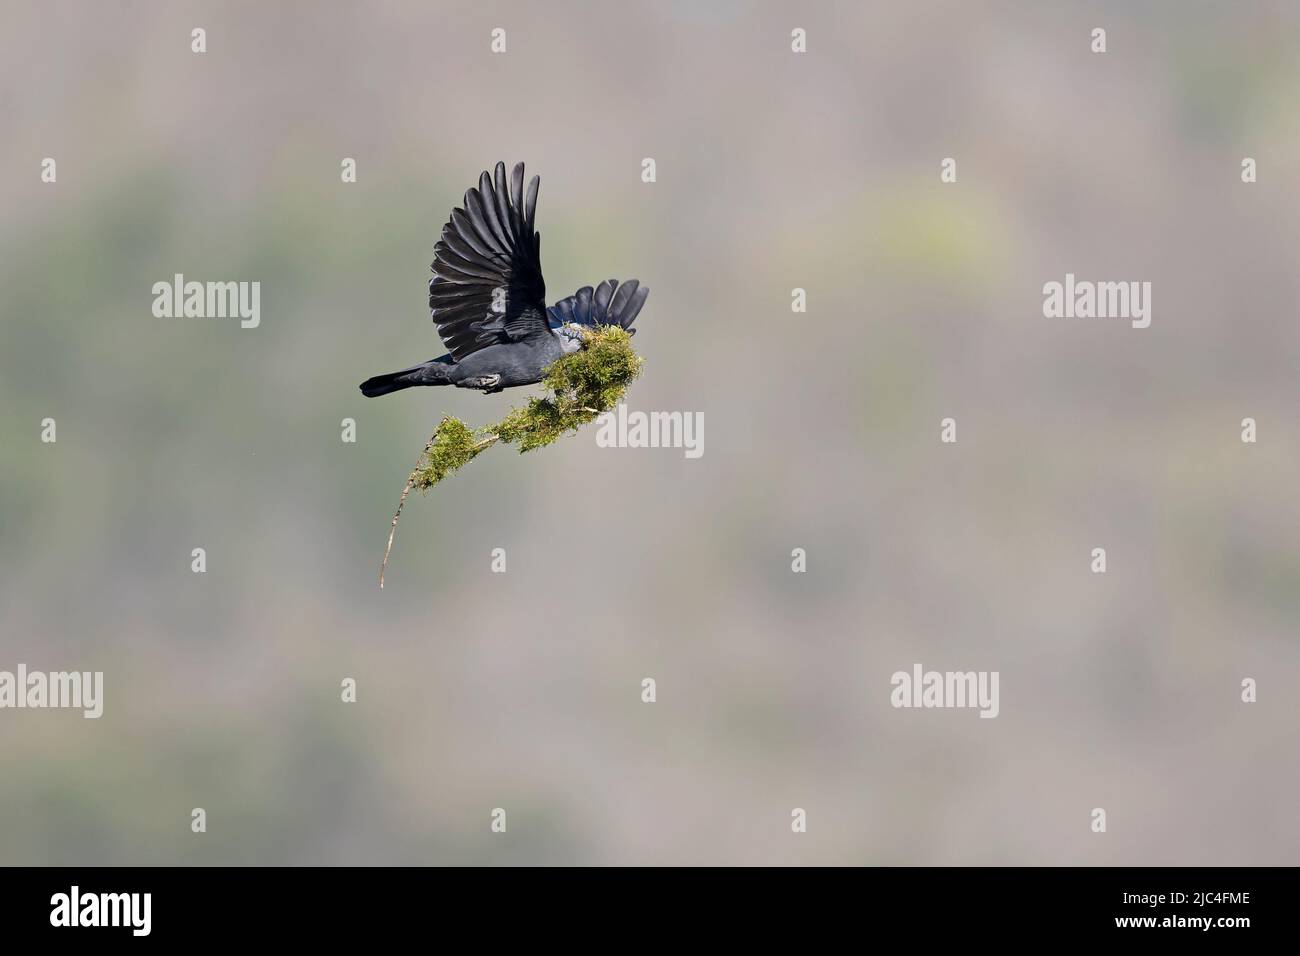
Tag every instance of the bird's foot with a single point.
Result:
(487, 383)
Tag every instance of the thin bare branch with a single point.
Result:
(410, 482)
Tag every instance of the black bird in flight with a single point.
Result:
(488, 297)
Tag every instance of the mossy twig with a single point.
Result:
(582, 385)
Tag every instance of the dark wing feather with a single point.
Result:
(487, 286)
(610, 303)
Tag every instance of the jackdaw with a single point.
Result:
(488, 297)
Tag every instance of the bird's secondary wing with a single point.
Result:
(610, 303)
(487, 285)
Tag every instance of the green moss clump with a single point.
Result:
(598, 375)
(535, 425)
(452, 445)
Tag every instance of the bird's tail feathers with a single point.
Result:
(610, 303)
(432, 372)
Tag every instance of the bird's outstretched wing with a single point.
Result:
(487, 285)
(610, 303)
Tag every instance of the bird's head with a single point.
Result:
(575, 337)
(570, 337)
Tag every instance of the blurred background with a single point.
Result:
(522, 690)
